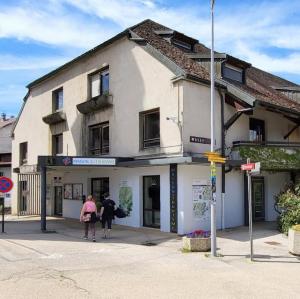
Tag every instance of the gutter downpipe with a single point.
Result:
(223, 178)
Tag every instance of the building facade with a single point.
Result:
(6, 126)
(131, 117)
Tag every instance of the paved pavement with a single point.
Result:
(62, 265)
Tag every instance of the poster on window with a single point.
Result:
(77, 191)
(125, 197)
(201, 193)
(68, 191)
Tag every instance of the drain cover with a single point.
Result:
(272, 243)
(149, 244)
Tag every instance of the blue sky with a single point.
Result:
(37, 36)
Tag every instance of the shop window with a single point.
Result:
(256, 130)
(99, 83)
(233, 73)
(99, 139)
(23, 153)
(150, 128)
(57, 144)
(1, 173)
(58, 99)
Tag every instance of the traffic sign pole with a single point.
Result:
(250, 211)
(6, 185)
(2, 204)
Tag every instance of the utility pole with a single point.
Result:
(212, 136)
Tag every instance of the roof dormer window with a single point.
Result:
(233, 73)
(182, 44)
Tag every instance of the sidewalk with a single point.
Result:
(62, 265)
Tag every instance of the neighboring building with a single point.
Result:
(132, 117)
(6, 125)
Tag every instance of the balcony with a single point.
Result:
(95, 104)
(54, 118)
(274, 156)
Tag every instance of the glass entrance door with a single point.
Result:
(100, 186)
(258, 198)
(151, 201)
(58, 200)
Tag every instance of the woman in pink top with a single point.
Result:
(88, 216)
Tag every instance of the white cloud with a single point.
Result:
(244, 30)
(51, 24)
(10, 62)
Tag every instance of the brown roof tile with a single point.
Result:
(258, 83)
(146, 31)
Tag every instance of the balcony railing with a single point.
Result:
(272, 155)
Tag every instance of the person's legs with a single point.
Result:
(86, 229)
(108, 227)
(93, 230)
(103, 228)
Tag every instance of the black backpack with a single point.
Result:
(119, 213)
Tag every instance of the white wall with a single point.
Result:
(133, 177)
(196, 116)
(187, 174)
(234, 199)
(274, 183)
(276, 126)
(138, 82)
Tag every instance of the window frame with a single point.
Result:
(259, 122)
(55, 144)
(143, 141)
(235, 69)
(102, 150)
(100, 72)
(55, 100)
(23, 155)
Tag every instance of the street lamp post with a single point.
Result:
(212, 136)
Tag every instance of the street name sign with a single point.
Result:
(248, 166)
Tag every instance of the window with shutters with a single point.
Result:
(99, 83)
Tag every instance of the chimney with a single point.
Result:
(3, 116)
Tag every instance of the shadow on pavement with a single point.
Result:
(69, 230)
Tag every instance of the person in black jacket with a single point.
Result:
(107, 215)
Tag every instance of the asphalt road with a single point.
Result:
(62, 265)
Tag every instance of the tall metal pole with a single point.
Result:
(212, 136)
(43, 198)
(250, 212)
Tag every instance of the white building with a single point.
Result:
(6, 125)
(131, 117)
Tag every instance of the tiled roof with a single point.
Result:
(146, 31)
(6, 122)
(269, 79)
(258, 83)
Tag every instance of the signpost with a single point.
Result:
(214, 158)
(6, 185)
(251, 168)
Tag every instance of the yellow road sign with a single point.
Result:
(215, 157)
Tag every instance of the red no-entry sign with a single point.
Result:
(6, 184)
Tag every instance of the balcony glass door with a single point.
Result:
(258, 198)
(151, 201)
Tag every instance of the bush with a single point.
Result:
(288, 201)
